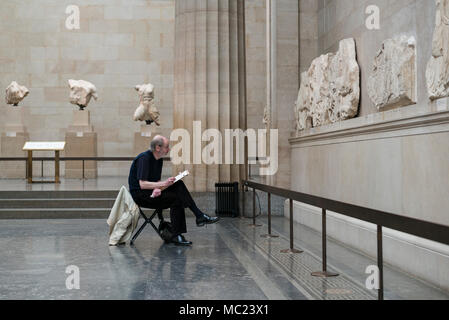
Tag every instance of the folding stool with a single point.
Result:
(149, 220)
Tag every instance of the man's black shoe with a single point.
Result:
(181, 241)
(205, 219)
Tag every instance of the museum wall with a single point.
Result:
(120, 44)
(391, 158)
(308, 29)
(344, 19)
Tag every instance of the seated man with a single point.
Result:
(145, 187)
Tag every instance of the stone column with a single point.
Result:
(209, 82)
(287, 81)
(282, 83)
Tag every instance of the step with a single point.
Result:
(111, 194)
(58, 213)
(53, 213)
(57, 203)
(76, 204)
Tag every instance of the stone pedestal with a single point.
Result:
(142, 139)
(11, 146)
(81, 122)
(14, 121)
(12, 141)
(81, 141)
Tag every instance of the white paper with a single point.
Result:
(181, 175)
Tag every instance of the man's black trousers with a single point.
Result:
(176, 197)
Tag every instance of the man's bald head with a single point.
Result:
(157, 141)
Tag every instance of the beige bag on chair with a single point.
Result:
(123, 218)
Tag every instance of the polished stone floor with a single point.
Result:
(228, 260)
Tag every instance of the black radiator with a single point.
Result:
(227, 199)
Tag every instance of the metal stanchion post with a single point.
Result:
(254, 211)
(292, 249)
(57, 167)
(324, 273)
(269, 235)
(30, 166)
(243, 202)
(380, 263)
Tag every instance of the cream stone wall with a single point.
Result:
(308, 30)
(397, 163)
(342, 19)
(120, 44)
(395, 160)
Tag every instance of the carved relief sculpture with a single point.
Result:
(319, 97)
(330, 90)
(392, 82)
(146, 111)
(437, 73)
(344, 82)
(302, 112)
(15, 93)
(266, 117)
(81, 92)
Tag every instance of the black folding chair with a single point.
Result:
(149, 220)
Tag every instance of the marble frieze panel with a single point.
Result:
(302, 105)
(330, 90)
(392, 82)
(437, 73)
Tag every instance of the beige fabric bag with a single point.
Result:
(123, 218)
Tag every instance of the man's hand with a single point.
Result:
(169, 182)
(156, 193)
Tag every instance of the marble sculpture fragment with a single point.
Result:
(302, 111)
(81, 92)
(146, 111)
(330, 90)
(437, 73)
(15, 93)
(392, 82)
